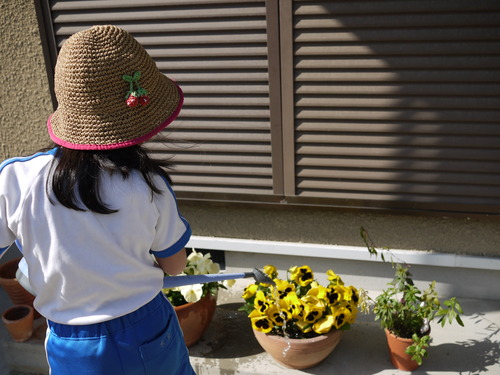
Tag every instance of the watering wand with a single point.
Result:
(181, 280)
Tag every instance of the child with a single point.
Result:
(89, 214)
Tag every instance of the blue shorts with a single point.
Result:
(147, 341)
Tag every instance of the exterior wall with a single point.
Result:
(25, 105)
(24, 99)
(331, 227)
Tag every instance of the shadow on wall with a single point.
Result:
(398, 106)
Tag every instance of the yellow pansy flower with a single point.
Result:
(262, 323)
(284, 287)
(304, 326)
(353, 296)
(271, 271)
(249, 291)
(343, 291)
(302, 275)
(353, 311)
(261, 303)
(318, 290)
(294, 305)
(278, 315)
(300, 303)
(313, 302)
(255, 313)
(341, 316)
(324, 325)
(333, 296)
(313, 308)
(312, 315)
(334, 278)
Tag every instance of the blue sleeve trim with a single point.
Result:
(176, 247)
(23, 159)
(181, 242)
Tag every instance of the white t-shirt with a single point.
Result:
(86, 267)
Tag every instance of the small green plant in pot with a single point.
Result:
(405, 311)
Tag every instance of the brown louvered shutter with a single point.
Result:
(218, 52)
(366, 104)
(392, 104)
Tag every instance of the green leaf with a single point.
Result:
(137, 75)
(417, 358)
(127, 78)
(345, 327)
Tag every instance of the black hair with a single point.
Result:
(75, 174)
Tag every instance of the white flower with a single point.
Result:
(190, 270)
(203, 265)
(199, 264)
(192, 293)
(194, 257)
(212, 267)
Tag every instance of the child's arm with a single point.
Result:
(175, 264)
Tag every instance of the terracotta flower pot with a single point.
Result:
(194, 318)
(299, 353)
(399, 358)
(8, 280)
(19, 322)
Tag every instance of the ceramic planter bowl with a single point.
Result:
(194, 318)
(299, 353)
(397, 351)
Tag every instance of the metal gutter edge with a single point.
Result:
(356, 253)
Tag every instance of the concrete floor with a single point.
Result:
(229, 347)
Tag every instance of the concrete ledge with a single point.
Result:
(424, 258)
(459, 276)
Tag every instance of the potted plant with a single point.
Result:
(298, 321)
(195, 304)
(19, 322)
(405, 312)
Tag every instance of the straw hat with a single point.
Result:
(110, 93)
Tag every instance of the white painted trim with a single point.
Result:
(356, 253)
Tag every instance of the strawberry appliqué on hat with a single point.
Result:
(136, 95)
